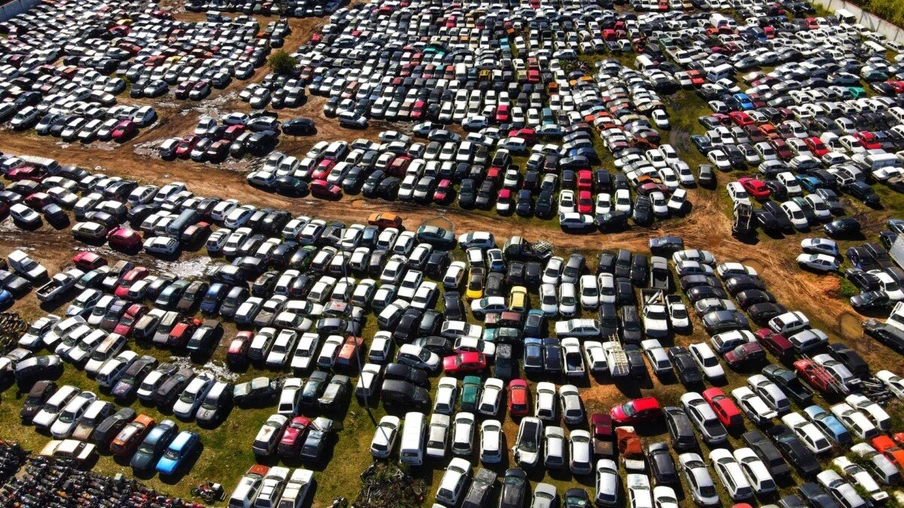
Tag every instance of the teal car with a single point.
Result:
(470, 393)
(176, 453)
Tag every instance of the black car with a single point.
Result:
(767, 452)
(608, 319)
(167, 393)
(35, 368)
(850, 358)
(481, 489)
(636, 366)
(816, 497)
(789, 383)
(719, 321)
(639, 270)
(436, 344)
(753, 297)
(761, 313)
(643, 210)
(299, 127)
(697, 293)
(37, 396)
(795, 451)
(842, 227)
(111, 426)
(453, 307)
(863, 280)
(870, 300)
(685, 367)
(405, 373)
(681, 430)
(467, 193)
(545, 206)
(765, 220)
(514, 489)
(624, 292)
(606, 262)
(403, 393)
(505, 365)
(661, 245)
(792, 501)
(133, 376)
(863, 192)
(662, 466)
(553, 361)
(524, 203)
(631, 327)
(313, 388)
(781, 218)
(614, 220)
(574, 498)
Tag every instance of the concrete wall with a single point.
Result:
(7, 11)
(871, 21)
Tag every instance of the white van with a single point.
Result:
(413, 432)
(874, 161)
(644, 62)
(845, 16)
(718, 72)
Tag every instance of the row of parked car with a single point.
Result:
(81, 423)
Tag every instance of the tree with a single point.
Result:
(282, 63)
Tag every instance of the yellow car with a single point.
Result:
(475, 283)
(518, 299)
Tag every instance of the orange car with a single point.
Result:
(892, 451)
(385, 220)
(348, 355)
(131, 436)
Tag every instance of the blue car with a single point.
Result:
(181, 447)
(744, 101)
(829, 425)
(214, 297)
(533, 354)
(808, 182)
(6, 299)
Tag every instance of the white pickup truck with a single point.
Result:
(59, 284)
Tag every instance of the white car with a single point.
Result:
(879, 465)
(727, 341)
(491, 448)
(607, 483)
(808, 432)
(568, 302)
(192, 397)
(873, 411)
(818, 262)
(623, 201)
(639, 492)
(861, 477)
(282, 347)
(770, 393)
(418, 357)
(452, 485)
(289, 396)
(664, 497)
(446, 395)
(855, 421)
(304, 351)
(702, 488)
(549, 302)
(755, 471)
(493, 389)
(893, 382)
(454, 275)
(590, 294)
(572, 406)
(795, 215)
(545, 401)
(580, 452)
(737, 193)
(73, 410)
(753, 406)
(553, 447)
(463, 433)
(606, 283)
(438, 435)
(329, 351)
(472, 345)
(567, 201)
(385, 436)
(707, 361)
(841, 490)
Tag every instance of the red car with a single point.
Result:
(781, 149)
(88, 261)
(444, 193)
(25, 173)
(518, 398)
(636, 411)
(815, 375)
(527, 134)
(585, 202)
(131, 277)
(293, 437)
(123, 238)
(725, 408)
(867, 140)
(180, 334)
(465, 362)
(756, 188)
(323, 169)
(133, 314)
(751, 352)
(183, 150)
(38, 200)
(775, 343)
(741, 118)
(816, 146)
(585, 180)
(237, 354)
(502, 113)
(601, 426)
(892, 451)
(124, 129)
(325, 190)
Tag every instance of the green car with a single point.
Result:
(504, 335)
(470, 393)
(436, 236)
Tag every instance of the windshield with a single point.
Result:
(628, 409)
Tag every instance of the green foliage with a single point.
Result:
(848, 289)
(282, 63)
(889, 10)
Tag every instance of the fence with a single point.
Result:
(16, 7)
(871, 21)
